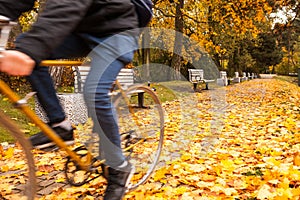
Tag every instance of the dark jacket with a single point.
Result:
(63, 17)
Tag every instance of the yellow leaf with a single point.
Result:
(181, 190)
(9, 153)
(272, 161)
(31, 124)
(89, 198)
(4, 168)
(296, 192)
(160, 174)
(39, 173)
(284, 184)
(297, 159)
(60, 180)
(186, 156)
(228, 164)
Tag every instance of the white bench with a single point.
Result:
(249, 76)
(244, 77)
(196, 76)
(236, 78)
(223, 80)
(73, 103)
(80, 75)
(126, 79)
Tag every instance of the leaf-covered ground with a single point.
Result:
(235, 142)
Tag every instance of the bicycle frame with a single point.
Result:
(87, 162)
(22, 105)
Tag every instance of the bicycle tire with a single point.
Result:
(30, 186)
(143, 129)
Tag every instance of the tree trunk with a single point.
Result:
(176, 59)
(146, 54)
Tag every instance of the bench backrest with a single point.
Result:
(125, 77)
(81, 73)
(223, 74)
(196, 75)
(236, 74)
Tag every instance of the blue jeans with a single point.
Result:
(108, 56)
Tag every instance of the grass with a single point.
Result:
(18, 117)
(291, 79)
(167, 91)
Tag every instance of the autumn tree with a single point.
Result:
(266, 52)
(218, 26)
(287, 32)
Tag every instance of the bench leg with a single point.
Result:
(206, 86)
(141, 99)
(195, 86)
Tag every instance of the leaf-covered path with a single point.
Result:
(235, 142)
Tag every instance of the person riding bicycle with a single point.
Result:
(107, 32)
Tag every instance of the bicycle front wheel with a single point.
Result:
(19, 175)
(141, 121)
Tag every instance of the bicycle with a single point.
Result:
(141, 128)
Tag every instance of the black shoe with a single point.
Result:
(41, 141)
(118, 181)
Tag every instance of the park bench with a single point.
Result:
(223, 80)
(196, 77)
(236, 78)
(126, 79)
(254, 75)
(244, 77)
(250, 76)
(73, 103)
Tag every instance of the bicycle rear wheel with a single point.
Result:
(141, 121)
(19, 175)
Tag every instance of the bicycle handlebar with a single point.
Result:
(48, 63)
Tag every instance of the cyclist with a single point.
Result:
(76, 28)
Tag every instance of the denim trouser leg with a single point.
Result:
(108, 58)
(42, 82)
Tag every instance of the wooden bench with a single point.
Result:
(196, 76)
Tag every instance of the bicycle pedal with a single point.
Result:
(127, 135)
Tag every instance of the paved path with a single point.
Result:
(212, 103)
